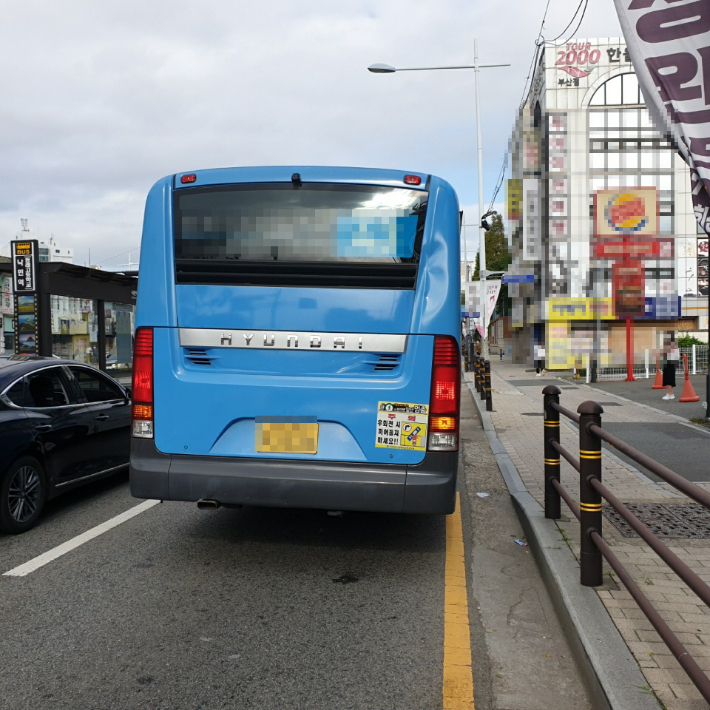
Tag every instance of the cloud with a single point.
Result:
(102, 99)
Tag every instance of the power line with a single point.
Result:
(531, 73)
(574, 31)
(569, 24)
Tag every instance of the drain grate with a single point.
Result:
(684, 521)
(684, 433)
(569, 388)
(532, 414)
(611, 404)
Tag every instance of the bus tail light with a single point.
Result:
(142, 394)
(445, 399)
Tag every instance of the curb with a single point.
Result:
(609, 670)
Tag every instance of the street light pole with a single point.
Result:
(481, 230)
(387, 69)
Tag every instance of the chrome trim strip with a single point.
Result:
(292, 340)
(91, 475)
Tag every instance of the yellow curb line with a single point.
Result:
(458, 674)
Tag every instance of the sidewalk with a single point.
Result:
(517, 402)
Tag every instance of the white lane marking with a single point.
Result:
(69, 545)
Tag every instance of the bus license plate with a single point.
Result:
(287, 437)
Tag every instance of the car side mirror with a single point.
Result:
(128, 392)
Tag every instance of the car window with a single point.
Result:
(46, 389)
(96, 387)
(18, 394)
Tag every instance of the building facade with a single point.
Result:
(586, 158)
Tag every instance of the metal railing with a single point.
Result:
(697, 365)
(589, 514)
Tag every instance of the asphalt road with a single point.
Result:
(668, 444)
(256, 608)
(641, 391)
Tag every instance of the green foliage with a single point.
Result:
(686, 341)
(498, 258)
(497, 255)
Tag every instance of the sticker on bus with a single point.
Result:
(402, 426)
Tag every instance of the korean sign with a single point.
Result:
(25, 265)
(669, 46)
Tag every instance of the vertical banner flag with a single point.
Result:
(669, 46)
(492, 291)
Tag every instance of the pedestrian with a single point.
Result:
(539, 356)
(670, 358)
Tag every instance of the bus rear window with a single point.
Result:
(280, 234)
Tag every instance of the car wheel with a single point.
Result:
(23, 490)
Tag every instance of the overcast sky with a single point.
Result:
(101, 99)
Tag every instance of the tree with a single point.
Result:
(498, 258)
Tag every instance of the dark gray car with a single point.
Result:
(62, 424)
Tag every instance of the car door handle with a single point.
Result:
(43, 427)
(102, 417)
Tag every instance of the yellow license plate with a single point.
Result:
(285, 437)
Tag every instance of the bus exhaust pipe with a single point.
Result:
(208, 504)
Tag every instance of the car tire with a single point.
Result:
(23, 491)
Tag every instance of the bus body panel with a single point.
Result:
(156, 295)
(428, 487)
(206, 403)
(437, 301)
(219, 419)
(316, 309)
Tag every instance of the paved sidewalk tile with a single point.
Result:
(517, 407)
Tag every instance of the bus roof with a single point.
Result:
(308, 173)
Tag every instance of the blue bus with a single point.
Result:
(297, 340)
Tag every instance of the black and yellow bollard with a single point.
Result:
(551, 432)
(590, 502)
(487, 383)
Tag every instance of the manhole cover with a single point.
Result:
(611, 404)
(684, 433)
(532, 414)
(684, 521)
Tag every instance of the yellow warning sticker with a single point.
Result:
(402, 426)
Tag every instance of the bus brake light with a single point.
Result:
(412, 180)
(188, 178)
(445, 399)
(142, 392)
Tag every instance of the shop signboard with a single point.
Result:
(7, 300)
(662, 248)
(628, 283)
(662, 307)
(514, 196)
(25, 263)
(564, 308)
(626, 212)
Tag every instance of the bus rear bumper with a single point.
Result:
(428, 487)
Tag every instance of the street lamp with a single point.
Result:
(387, 69)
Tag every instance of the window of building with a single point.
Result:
(618, 91)
(75, 329)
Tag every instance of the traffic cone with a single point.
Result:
(688, 391)
(658, 383)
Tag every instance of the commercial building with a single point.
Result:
(582, 219)
(72, 312)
